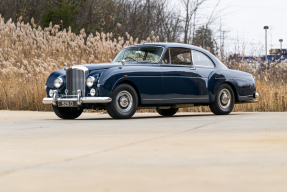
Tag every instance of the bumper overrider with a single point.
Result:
(79, 99)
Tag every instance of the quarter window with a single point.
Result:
(200, 59)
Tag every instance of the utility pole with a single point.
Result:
(223, 38)
(266, 27)
(280, 40)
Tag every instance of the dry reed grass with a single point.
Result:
(28, 54)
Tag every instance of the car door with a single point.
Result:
(179, 77)
(205, 66)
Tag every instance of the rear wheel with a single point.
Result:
(124, 102)
(167, 112)
(224, 100)
(67, 112)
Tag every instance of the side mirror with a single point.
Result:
(123, 62)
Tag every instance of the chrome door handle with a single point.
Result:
(192, 68)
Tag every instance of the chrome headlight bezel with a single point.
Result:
(58, 82)
(90, 81)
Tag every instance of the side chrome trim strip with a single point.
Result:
(175, 99)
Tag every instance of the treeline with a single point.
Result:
(136, 17)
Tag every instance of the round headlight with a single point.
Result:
(90, 81)
(58, 82)
(51, 93)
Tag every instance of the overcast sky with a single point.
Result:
(244, 21)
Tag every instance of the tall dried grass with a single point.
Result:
(28, 54)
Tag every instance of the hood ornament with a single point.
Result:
(66, 65)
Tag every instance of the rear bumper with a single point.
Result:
(248, 99)
(256, 95)
(55, 99)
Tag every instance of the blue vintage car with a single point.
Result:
(164, 76)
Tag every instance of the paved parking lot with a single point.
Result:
(188, 152)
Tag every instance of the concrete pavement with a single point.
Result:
(187, 152)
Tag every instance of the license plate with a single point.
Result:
(67, 104)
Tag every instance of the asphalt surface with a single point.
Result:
(187, 152)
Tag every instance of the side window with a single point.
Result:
(165, 59)
(199, 59)
(180, 56)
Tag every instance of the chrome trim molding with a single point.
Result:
(79, 67)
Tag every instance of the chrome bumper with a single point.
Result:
(55, 99)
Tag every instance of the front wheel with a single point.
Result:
(67, 112)
(124, 102)
(167, 112)
(224, 100)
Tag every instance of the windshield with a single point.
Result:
(140, 55)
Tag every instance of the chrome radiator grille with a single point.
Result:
(75, 79)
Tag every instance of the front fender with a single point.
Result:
(108, 80)
(50, 81)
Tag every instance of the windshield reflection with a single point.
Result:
(140, 55)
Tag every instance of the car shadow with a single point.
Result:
(154, 117)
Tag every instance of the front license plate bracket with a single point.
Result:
(67, 104)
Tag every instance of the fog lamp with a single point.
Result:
(93, 92)
(51, 93)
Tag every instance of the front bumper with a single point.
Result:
(55, 99)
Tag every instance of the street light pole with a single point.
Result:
(280, 40)
(266, 27)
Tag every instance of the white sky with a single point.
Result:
(244, 20)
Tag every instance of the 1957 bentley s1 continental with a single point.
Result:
(164, 76)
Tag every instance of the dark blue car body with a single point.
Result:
(166, 84)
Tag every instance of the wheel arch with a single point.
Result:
(131, 84)
(233, 89)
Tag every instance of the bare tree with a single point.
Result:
(190, 6)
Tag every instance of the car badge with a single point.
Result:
(74, 92)
(66, 91)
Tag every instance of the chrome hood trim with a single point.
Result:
(79, 67)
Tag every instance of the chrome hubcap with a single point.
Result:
(225, 98)
(124, 101)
